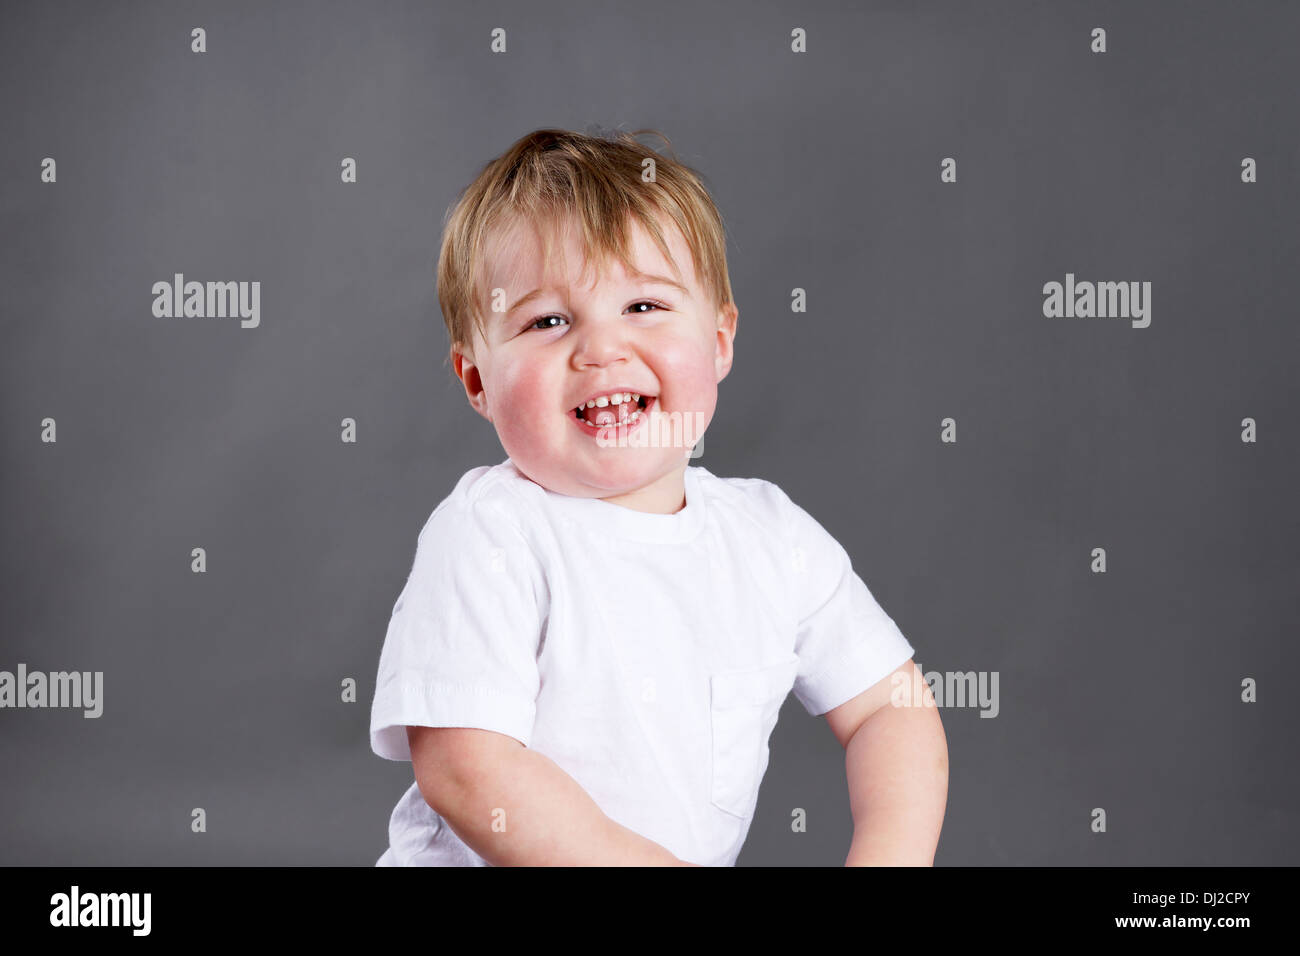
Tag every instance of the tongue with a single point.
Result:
(609, 415)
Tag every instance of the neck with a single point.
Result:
(664, 496)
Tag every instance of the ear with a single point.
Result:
(728, 317)
(462, 363)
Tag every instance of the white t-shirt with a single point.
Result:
(648, 655)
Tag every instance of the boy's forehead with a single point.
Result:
(515, 258)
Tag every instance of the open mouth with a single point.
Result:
(628, 410)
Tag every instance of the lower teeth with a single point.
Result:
(627, 420)
(624, 421)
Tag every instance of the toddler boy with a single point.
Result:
(595, 639)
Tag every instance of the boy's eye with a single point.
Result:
(657, 305)
(536, 323)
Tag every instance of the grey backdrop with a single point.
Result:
(1119, 690)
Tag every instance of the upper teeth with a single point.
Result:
(617, 398)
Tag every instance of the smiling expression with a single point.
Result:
(557, 340)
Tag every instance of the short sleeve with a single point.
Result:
(845, 640)
(461, 646)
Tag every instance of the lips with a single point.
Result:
(612, 414)
(637, 414)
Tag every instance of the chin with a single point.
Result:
(605, 480)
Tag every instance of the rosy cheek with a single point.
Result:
(691, 375)
(524, 405)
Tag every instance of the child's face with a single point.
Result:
(529, 375)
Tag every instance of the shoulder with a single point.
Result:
(756, 500)
(755, 492)
(766, 504)
(484, 523)
(496, 495)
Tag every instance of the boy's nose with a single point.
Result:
(602, 342)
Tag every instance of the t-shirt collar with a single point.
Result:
(603, 517)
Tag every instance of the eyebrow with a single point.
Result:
(638, 277)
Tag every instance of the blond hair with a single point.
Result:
(556, 176)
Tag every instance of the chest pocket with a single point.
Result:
(743, 709)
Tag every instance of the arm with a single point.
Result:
(896, 760)
(479, 780)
